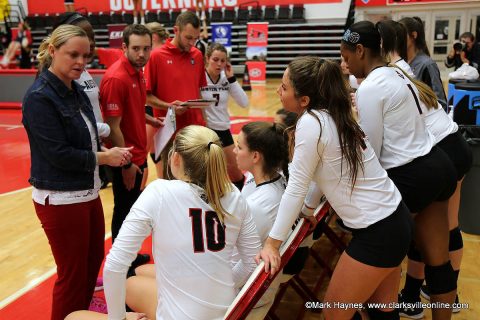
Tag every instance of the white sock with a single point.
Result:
(142, 20)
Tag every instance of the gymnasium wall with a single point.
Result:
(15, 83)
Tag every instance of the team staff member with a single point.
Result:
(175, 73)
(65, 153)
(330, 149)
(391, 116)
(221, 84)
(123, 97)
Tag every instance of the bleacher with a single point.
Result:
(290, 34)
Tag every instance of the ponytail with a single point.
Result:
(204, 163)
(217, 183)
(427, 96)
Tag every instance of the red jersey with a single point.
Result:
(123, 94)
(175, 75)
(108, 56)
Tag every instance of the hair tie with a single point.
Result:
(209, 144)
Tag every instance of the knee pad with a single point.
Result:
(440, 279)
(413, 253)
(456, 240)
(377, 314)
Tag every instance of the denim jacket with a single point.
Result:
(60, 143)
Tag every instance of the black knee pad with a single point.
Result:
(456, 240)
(440, 279)
(413, 253)
(377, 314)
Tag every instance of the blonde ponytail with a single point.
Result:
(427, 96)
(204, 163)
(57, 39)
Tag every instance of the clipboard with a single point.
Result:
(165, 133)
(198, 103)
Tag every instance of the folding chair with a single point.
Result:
(259, 281)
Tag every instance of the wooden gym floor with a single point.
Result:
(27, 268)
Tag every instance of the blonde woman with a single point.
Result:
(65, 155)
(196, 222)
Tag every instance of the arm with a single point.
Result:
(248, 244)
(236, 90)
(136, 227)
(116, 135)
(46, 128)
(306, 158)
(436, 84)
(312, 200)
(370, 114)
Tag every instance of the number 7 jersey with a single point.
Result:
(191, 247)
(217, 116)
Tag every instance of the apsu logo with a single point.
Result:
(221, 32)
(255, 72)
(116, 35)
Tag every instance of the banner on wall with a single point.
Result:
(115, 35)
(57, 6)
(222, 33)
(257, 40)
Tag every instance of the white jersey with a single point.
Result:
(263, 201)
(402, 64)
(317, 158)
(438, 122)
(389, 114)
(217, 116)
(93, 93)
(191, 248)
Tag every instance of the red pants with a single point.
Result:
(76, 235)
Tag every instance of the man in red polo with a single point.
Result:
(123, 96)
(176, 72)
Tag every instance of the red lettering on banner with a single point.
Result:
(57, 6)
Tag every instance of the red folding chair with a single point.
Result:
(259, 281)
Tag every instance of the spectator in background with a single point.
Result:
(138, 7)
(418, 55)
(175, 73)
(69, 6)
(202, 42)
(23, 41)
(65, 158)
(122, 96)
(466, 51)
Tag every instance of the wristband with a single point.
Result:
(232, 79)
(127, 166)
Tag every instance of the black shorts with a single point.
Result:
(458, 150)
(385, 243)
(424, 180)
(225, 137)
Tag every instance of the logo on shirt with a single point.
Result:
(134, 85)
(192, 61)
(112, 107)
(169, 61)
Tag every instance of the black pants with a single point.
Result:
(123, 199)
